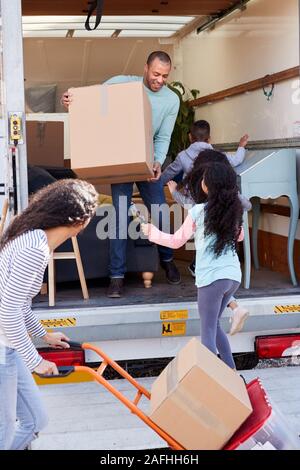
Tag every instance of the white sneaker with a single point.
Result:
(237, 320)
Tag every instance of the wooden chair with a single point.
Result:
(75, 254)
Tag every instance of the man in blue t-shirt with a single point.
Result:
(165, 105)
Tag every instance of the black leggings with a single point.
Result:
(212, 301)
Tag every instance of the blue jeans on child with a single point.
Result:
(151, 193)
(212, 301)
(19, 400)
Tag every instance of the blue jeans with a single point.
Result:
(151, 193)
(20, 399)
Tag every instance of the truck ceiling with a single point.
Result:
(130, 7)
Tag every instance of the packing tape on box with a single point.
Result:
(103, 100)
(184, 400)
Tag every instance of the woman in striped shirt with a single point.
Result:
(56, 213)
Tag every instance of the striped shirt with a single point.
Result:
(22, 265)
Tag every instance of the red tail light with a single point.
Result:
(277, 346)
(63, 357)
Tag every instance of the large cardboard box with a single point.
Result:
(111, 137)
(199, 400)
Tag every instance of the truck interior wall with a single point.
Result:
(75, 62)
(261, 40)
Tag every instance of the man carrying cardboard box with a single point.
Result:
(165, 105)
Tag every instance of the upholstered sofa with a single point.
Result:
(142, 256)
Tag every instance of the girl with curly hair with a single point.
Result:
(55, 213)
(238, 312)
(216, 221)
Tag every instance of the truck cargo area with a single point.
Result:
(258, 95)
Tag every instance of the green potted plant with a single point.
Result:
(185, 118)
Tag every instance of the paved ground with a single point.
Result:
(86, 416)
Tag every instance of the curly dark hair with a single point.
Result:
(67, 202)
(223, 210)
(190, 185)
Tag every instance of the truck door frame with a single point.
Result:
(13, 94)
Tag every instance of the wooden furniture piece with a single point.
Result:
(75, 254)
(3, 216)
(268, 174)
(147, 278)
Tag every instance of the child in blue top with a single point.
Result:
(216, 224)
(200, 138)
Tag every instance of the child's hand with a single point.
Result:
(172, 186)
(244, 140)
(145, 229)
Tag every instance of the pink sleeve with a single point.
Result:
(173, 241)
(241, 235)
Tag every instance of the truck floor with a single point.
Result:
(264, 283)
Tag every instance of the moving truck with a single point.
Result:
(243, 57)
